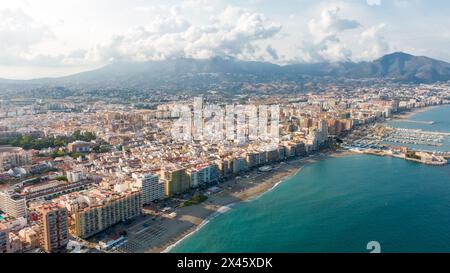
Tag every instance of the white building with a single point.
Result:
(150, 185)
(13, 204)
(75, 176)
(200, 175)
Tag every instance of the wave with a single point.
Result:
(275, 185)
(224, 209)
(221, 210)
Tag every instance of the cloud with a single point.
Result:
(272, 52)
(373, 43)
(330, 24)
(234, 32)
(21, 34)
(18, 34)
(373, 2)
(183, 31)
(324, 43)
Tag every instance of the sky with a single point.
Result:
(50, 38)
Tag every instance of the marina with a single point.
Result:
(414, 136)
(412, 144)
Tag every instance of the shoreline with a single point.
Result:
(414, 111)
(191, 219)
(406, 117)
(221, 210)
(225, 209)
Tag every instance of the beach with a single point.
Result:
(165, 232)
(408, 115)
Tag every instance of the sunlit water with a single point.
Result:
(339, 205)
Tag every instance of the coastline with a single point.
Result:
(191, 219)
(408, 115)
(220, 211)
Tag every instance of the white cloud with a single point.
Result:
(373, 43)
(325, 43)
(234, 32)
(146, 8)
(73, 34)
(373, 2)
(18, 34)
(20, 37)
(330, 24)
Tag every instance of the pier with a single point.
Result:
(424, 157)
(415, 136)
(418, 121)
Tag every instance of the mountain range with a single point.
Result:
(398, 66)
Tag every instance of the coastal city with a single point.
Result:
(83, 175)
(223, 136)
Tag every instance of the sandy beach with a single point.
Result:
(408, 115)
(164, 233)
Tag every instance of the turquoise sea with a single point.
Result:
(339, 205)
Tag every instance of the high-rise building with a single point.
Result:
(213, 172)
(272, 155)
(105, 210)
(224, 167)
(252, 159)
(152, 188)
(262, 158)
(177, 181)
(323, 130)
(300, 149)
(201, 175)
(53, 232)
(4, 239)
(13, 204)
(239, 165)
(197, 121)
(281, 153)
(289, 150)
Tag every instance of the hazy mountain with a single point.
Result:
(172, 71)
(190, 73)
(404, 67)
(398, 66)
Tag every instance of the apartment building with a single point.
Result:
(177, 180)
(105, 209)
(152, 188)
(53, 228)
(13, 204)
(11, 157)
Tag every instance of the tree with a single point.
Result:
(62, 178)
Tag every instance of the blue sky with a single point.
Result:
(53, 38)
